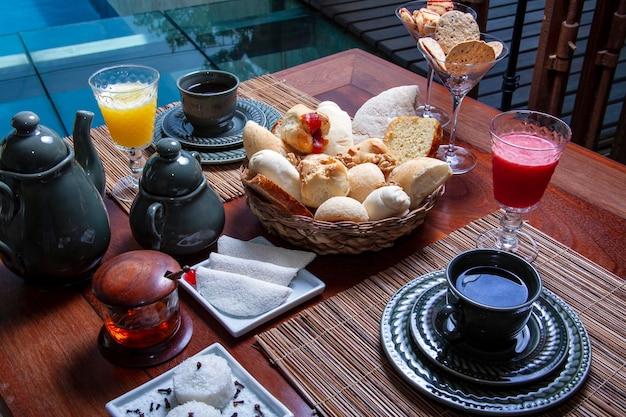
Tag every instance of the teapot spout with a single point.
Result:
(86, 154)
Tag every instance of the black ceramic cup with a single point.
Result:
(209, 99)
(489, 299)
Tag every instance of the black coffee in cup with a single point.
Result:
(208, 87)
(489, 299)
(492, 286)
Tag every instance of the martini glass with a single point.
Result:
(127, 97)
(459, 78)
(427, 110)
(525, 149)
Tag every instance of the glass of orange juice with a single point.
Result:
(127, 96)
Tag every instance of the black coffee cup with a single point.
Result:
(490, 298)
(209, 99)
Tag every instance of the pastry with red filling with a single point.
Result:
(305, 130)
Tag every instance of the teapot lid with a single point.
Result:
(172, 171)
(135, 278)
(31, 147)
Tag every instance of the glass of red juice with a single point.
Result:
(526, 147)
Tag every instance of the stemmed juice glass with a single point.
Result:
(459, 78)
(127, 97)
(525, 149)
(427, 110)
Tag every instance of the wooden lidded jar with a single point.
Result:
(139, 303)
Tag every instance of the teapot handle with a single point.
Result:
(155, 216)
(8, 204)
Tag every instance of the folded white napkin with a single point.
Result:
(239, 295)
(265, 271)
(292, 258)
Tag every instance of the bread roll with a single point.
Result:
(256, 137)
(372, 118)
(340, 132)
(337, 209)
(279, 198)
(304, 130)
(387, 201)
(408, 137)
(364, 178)
(370, 150)
(322, 177)
(278, 169)
(419, 177)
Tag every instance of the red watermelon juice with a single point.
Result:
(522, 167)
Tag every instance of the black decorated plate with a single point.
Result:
(447, 388)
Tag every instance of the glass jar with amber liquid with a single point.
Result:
(140, 305)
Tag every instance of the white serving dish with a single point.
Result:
(304, 285)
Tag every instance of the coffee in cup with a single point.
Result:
(209, 99)
(489, 299)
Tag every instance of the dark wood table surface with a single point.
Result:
(51, 364)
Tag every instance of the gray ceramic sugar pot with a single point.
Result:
(176, 211)
(54, 227)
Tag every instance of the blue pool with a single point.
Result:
(37, 14)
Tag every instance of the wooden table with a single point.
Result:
(52, 366)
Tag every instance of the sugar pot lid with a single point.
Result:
(172, 171)
(135, 278)
(31, 147)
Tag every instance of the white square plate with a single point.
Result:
(147, 396)
(304, 285)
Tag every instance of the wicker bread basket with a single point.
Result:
(345, 237)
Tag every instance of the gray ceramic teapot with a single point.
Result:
(176, 211)
(54, 228)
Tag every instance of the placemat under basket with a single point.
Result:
(326, 238)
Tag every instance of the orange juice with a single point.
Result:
(130, 114)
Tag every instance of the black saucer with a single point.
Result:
(537, 351)
(175, 125)
(154, 355)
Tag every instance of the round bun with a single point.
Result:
(408, 137)
(337, 209)
(206, 379)
(322, 177)
(419, 177)
(340, 132)
(387, 201)
(195, 409)
(372, 118)
(364, 178)
(278, 169)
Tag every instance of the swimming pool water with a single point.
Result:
(37, 14)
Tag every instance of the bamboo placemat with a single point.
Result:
(332, 352)
(225, 178)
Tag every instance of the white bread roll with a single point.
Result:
(372, 118)
(419, 177)
(364, 178)
(256, 137)
(301, 136)
(387, 201)
(340, 132)
(205, 378)
(322, 177)
(408, 137)
(277, 169)
(337, 209)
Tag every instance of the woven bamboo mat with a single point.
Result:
(225, 178)
(332, 352)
